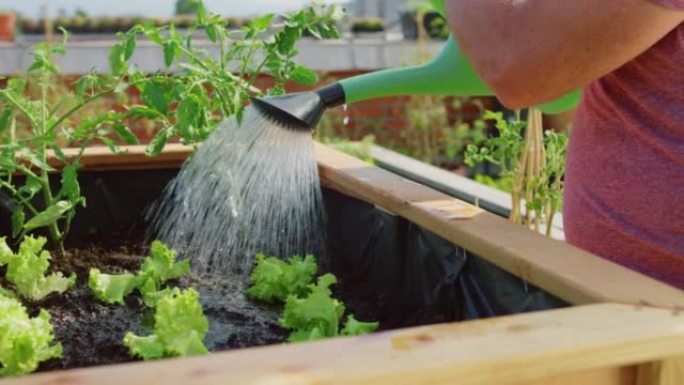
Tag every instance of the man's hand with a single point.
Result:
(533, 51)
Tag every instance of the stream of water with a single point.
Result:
(251, 187)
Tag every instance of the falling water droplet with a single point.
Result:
(345, 120)
(250, 188)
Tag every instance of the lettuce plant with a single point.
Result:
(274, 279)
(179, 328)
(318, 315)
(159, 267)
(26, 269)
(24, 342)
(310, 311)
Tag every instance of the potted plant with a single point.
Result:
(108, 24)
(422, 14)
(367, 26)
(8, 21)
(31, 27)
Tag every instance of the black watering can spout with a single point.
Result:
(300, 111)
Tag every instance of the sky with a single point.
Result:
(31, 8)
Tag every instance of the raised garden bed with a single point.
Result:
(403, 264)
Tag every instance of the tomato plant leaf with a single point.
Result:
(124, 133)
(140, 111)
(128, 46)
(261, 23)
(49, 216)
(287, 39)
(71, 190)
(157, 143)
(169, 52)
(303, 75)
(156, 95)
(18, 219)
(30, 188)
(116, 63)
(212, 32)
(5, 119)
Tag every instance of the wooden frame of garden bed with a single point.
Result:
(626, 329)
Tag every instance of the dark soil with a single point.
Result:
(91, 333)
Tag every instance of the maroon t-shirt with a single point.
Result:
(624, 186)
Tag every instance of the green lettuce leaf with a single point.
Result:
(156, 269)
(273, 279)
(24, 342)
(147, 348)
(26, 269)
(111, 288)
(161, 265)
(318, 310)
(353, 327)
(179, 329)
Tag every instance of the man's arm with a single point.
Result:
(532, 51)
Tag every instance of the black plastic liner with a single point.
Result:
(410, 276)
(389, 269)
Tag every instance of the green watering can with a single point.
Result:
(449, 73)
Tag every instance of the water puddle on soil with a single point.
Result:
(251, 187)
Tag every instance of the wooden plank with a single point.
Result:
(132, 158)
(615, 375)
(489, 198)
(565, 271)
(558, 347)
(669, 371)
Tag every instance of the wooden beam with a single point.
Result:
(132, 158)
(598, 344)
(563, 270)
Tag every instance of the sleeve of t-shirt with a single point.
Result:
(672, 4)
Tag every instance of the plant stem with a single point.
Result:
(21, 199)
(21, 108)
(44, 177)
(549, 218)
(77, 107)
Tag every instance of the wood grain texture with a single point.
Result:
(598, 344)
(669, 371)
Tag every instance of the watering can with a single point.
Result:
(449, 73)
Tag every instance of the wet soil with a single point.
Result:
(91, 333)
